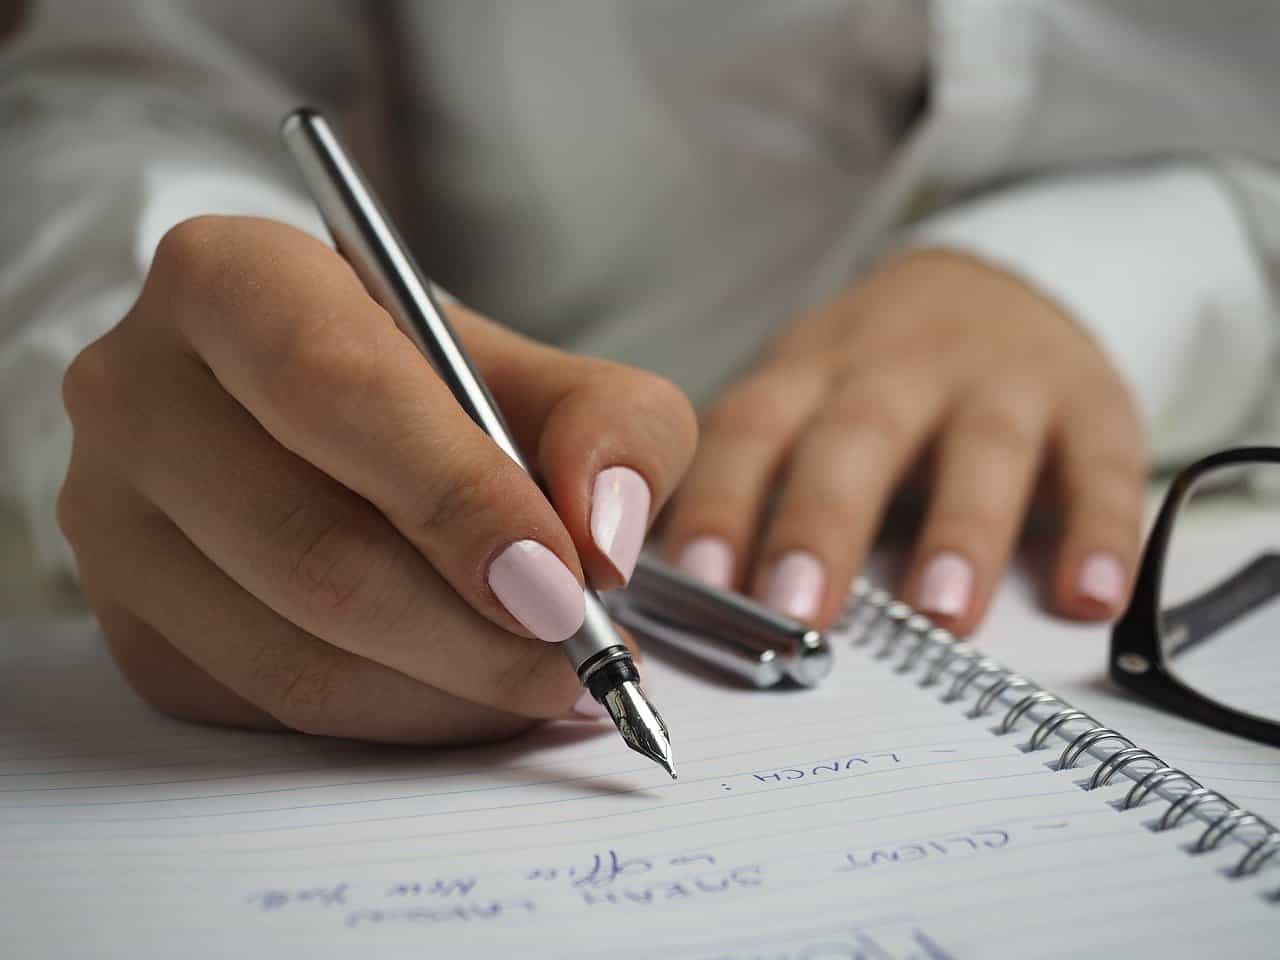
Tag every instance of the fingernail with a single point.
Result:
(794, 584)
(620, 516)
(538, 590)
(946, 585)
(709, 559)
(1101, 579)
(586, 707)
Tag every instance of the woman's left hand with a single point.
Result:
(938, 354)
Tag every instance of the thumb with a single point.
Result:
(609, 442)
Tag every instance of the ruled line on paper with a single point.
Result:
(661, 786)
(430, 777)
(571, 821)
(489, 788)
(607, 751)
(944, 834)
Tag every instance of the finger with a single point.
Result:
(306, 547)
(745, 440)
(299, 680)
(988, 455)
(315, 553)
(165, 678)
(297, 341)
(610, 442)
(839, 479)
(1102, 480)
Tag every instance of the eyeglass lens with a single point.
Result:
(1220, 592)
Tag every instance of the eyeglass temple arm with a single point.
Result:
(1196, 620)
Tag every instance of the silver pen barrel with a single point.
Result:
(365, 236)
(370, 242)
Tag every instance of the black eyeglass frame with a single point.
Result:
(1137, 660)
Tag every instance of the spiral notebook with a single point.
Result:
(894, 812)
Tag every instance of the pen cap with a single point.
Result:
(758, 664)
(675, 598)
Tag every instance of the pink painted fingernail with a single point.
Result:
(538, 590)
(794, 584)
(1101, 579)
(586, 707)
(946, 585)
(620, 516)
(709, 559)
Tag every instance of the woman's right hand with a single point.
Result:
(282, 517)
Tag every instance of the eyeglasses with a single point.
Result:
(1201, 636)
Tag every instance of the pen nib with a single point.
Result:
(639, 724)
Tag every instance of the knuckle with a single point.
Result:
(70, 512)
(754, 405)
(1108, 391)
(301, 692)
(976, 530)
(193, 254)
(337, 569)
(464, 499)
(1122, 470)
(1108, 512)
(538, 683)
(1118, 476)
(998, 430)
(813, 515)
(305, 359)
(89, 385)
(867, 411)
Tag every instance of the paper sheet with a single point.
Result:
(864, 819)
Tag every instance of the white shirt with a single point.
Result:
(669, 183)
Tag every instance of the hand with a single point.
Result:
(282, 517)
(935, 355)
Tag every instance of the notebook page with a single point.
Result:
(862, 819)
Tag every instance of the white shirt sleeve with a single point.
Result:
(116, 122)
(1100, 146)
(1158, 265)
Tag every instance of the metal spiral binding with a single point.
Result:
(891, 628)
(977, 668)
(989, 695)
(894, 624)
(914, 625)
(933, 638)
(1116, 763)
(1138, 792)
(1076, 748)
(1218, 831)
(1174, 813)
(1051, 723)
(1014, 713)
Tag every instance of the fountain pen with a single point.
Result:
(366, 238)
